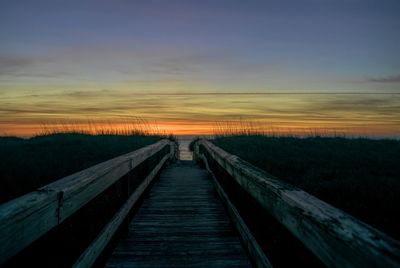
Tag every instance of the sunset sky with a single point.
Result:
(287, 65)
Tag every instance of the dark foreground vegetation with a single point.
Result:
(359, 176)
(26, 164)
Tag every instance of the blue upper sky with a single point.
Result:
(246, 45)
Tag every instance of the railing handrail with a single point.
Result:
(26, 218)
(335, 237)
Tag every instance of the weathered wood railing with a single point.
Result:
(27, 218)
(336, 238)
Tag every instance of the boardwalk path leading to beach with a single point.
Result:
(181, 224)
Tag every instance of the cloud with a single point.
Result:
(11, 64)
(385, 79)
(20, 66)
(305, 110)
(368, 109)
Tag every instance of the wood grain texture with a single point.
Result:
(337, 238)
(25, 219)
(181, 224)
(256, 253)
(88, 258)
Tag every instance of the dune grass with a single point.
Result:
(130, 127)
(360, 176)
(26, 164)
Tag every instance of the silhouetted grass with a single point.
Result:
(258, 128)
(360, 176)
(26, 164)
(129, 127)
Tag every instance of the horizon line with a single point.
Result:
(270, 93)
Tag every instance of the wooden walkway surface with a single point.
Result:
(181, 224)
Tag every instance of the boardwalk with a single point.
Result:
(181, 224)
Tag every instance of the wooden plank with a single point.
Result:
(179, 261)
(88, 258)
(337, 238)
(195, 234)
(25, 219)
(256, 253)
(79, 188)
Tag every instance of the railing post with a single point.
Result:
(196, 156)
(126, 195)
(173, 151)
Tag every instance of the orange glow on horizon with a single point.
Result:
(187, 128)
(123, 108)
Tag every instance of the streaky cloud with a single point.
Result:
(385, 79)
(9, 64)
